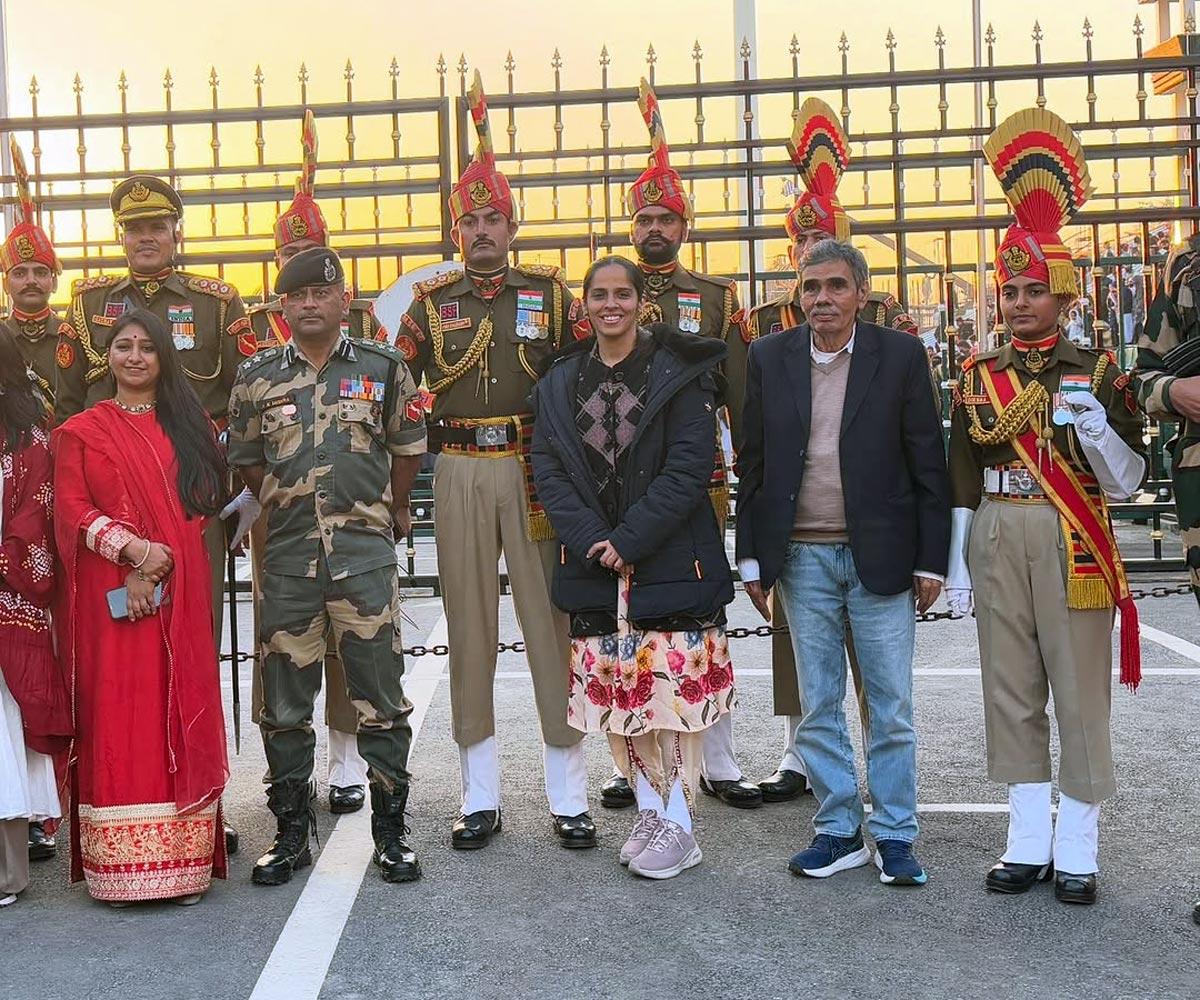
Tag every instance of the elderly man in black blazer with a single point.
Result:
(844, 504)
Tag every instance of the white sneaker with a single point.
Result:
(671, 850)
(7, 899)
(643, 831)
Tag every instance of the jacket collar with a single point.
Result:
(1063, 351)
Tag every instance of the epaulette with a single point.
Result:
(782, 299)
(362, 305)
(885, 299)
(541, 271)
(254, 361)
(424, 288)
(80, 285)
(714, 279)
(271, 305)
(379, 347)
(209, 286)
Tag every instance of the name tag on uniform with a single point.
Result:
(360, 387)
(532, 321)
(1068, 384)
(183, 326)
(450, 319)
(285, 404)
(113, 311)
(775, 328)
(689, 312)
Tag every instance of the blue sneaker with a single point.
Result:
(897, 864)
(828, 855)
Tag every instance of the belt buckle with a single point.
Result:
(1022, 483)
(491, 435)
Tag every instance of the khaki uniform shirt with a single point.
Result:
(480, 359)
(37, 342)
(968, 459)
(326, 439)
(206, 319)
(704, 305)
(270, 328)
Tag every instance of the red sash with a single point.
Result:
(279, 327)
(1076, 508)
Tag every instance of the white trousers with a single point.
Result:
(716, 761)
(346, 766)
(1034, 839)
(565, 770)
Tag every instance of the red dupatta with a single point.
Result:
(194, 719)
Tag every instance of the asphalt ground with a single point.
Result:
(527, 919)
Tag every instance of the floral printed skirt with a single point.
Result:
(633, 682)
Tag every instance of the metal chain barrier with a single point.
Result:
(765, 631)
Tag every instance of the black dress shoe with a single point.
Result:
(740, 794)
(783, 786)
(1070, 888)
(41, 844)
(475, 830)
(616, 793)
(1011, 878)
(575, 831)
(394, 858)
(231, 840)
(346, 800)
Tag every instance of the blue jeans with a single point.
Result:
(820, 588)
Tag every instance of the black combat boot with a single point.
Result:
(295, 820)
(396, 860)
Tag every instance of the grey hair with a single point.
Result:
(832, 251)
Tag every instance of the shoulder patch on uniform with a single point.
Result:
(969, 362)
(379, 347)
(209, 286)
(65, 329)
(540, 271)
(253, 362)
(96, 281)
(885, 299)
(423, 288)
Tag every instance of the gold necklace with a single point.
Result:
(136, 407)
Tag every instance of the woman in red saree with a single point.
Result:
(135, 478)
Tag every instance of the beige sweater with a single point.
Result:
(820, 505)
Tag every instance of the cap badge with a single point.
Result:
(139, 192)
(25, 248)
(1016, 259)
(297, 227)
(330, 271)
(652, 192)
(480, 193)
(806, 217)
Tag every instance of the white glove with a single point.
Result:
(247, 508)
(958, 579)
(1116, 466)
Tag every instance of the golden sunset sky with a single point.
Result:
(144, 39)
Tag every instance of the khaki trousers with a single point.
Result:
(1031, 645)
(656, 754)
(340, 715)
(480, 511)
(14, 855)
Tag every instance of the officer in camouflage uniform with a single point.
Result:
(31, 271)
(1174, 319)
(1172, 322)
(819, 149)
(479, 336)
(301, 227)
(328, 432)
(705, 305)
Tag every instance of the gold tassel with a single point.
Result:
(538, 526)
(1088, 594)
(1063, 279)
(719, 496)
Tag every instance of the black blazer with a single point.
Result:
(892, 456)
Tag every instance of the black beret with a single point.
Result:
(315, 266)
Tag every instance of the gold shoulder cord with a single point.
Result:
(556, 315)
(1102, 364)
(727, 309)
(452, 373)
(97, 367)
(1020, 412)
(220, 352)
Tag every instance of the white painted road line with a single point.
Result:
(523, 675)
(1171, 642)
(299, 962)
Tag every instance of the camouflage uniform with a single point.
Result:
(1173, 317)
(326, 441)
(38, 341)
(269, 329)
(481, 363)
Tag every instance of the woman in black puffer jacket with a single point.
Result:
(623, 449)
